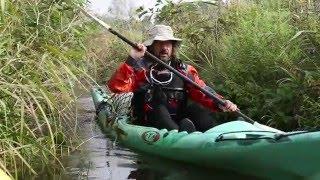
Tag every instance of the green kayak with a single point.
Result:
(237, 145)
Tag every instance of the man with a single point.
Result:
(160, 97)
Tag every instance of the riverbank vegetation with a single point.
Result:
(43, 61)
(263, 55)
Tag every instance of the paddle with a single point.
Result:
(185, 78)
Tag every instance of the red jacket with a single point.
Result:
(132, 74)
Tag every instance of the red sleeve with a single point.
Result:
(125, 79)
(196, 95)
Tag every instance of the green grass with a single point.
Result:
(44, 59)
(263, 55)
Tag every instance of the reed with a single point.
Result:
(43, 61)
(263, 55)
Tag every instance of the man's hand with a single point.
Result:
(137, 54)
(229, 107)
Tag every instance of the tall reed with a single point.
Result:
(263, 55)
(42, 63)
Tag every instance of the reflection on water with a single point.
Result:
(153, 168)
(101, 158)
(105, 161)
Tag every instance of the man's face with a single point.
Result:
(163, 49)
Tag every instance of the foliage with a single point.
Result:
(42, 64)
(109, 49)
(263, 55)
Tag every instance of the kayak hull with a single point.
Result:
(238, 146)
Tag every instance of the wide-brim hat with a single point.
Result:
(160, 33)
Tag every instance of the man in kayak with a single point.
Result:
(160, 97)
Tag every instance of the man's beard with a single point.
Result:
(165, 59)
(163, 56)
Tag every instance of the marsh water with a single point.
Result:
(102, 158)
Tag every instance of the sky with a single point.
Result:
(101, 7)
(124, 8)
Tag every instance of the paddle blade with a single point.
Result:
(267, 128)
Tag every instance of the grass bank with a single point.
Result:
(44, 57)
(263, 55)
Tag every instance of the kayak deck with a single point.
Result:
(236, 145)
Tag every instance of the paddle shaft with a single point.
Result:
(154, 58)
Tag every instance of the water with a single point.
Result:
(99, 157)
(102, 158)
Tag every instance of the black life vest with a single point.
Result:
(170, 91)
